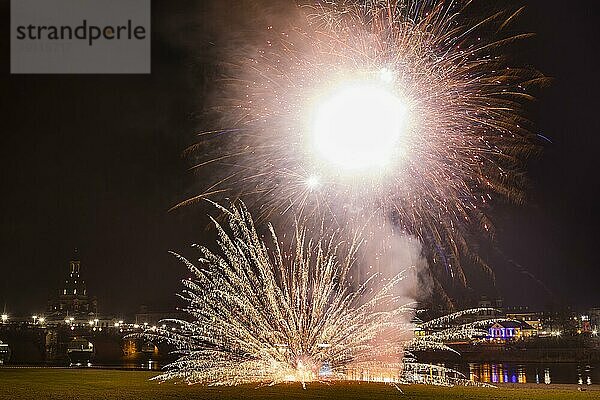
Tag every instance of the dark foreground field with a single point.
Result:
(32, 383)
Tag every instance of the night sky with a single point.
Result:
(95, 162)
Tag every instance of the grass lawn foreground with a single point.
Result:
(56, 383)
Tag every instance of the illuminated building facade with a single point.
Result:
(510, 330)
(72, 298)
(522, 313)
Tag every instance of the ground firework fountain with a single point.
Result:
(260, 314)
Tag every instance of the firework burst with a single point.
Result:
(403, 110)
(260, 314)
(265, 315)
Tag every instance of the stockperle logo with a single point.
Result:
(80, 36)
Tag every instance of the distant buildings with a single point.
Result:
(510, 330)
(488, 309)
(152, 317)
(522, 313)
(594, 314)
(485, 302)
(4, 352)
(72, 298)
(509, 323)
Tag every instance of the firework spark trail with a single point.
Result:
(461, 146)
(263, 315)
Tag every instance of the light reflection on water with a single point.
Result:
(148, 365)
(531, 373)
(541, 373)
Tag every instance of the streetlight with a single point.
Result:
(41, 320)
(4, 318)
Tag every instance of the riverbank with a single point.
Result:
(60, 384)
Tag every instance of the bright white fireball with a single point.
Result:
(358, 127)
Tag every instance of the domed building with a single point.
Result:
(72, 298)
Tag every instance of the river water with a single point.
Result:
(542, 373)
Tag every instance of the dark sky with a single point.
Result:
(95, 162)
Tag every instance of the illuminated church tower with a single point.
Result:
(73, 298)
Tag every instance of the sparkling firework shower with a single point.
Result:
(265, 315)
(380, 109)
(260, 314)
